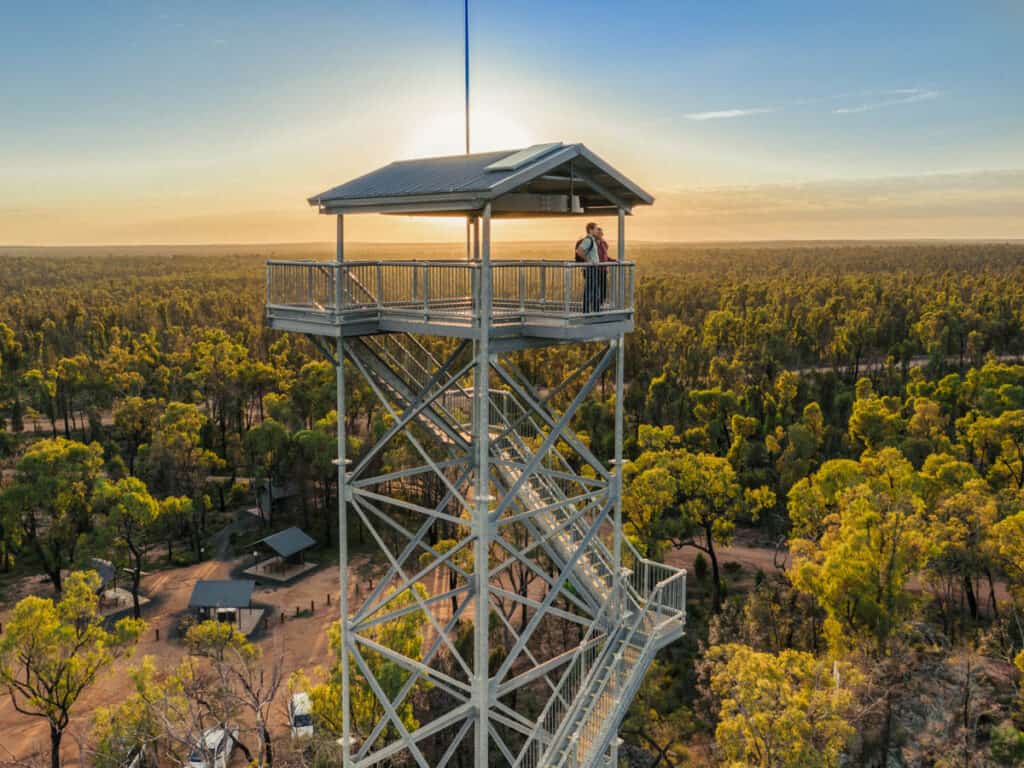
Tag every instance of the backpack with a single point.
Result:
(575, 254)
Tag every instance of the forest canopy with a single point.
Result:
(855, 408)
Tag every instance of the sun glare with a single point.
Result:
(443, 133)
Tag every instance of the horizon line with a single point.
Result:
(414, 243)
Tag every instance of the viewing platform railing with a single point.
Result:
(450, 290)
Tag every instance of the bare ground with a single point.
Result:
(300, 642)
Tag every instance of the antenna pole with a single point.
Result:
(465, 42)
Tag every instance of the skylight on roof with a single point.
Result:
(517, 160)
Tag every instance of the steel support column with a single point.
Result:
(481, 512)
(343, 579)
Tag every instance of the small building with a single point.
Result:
(107, 574)
(288, 558)
(227, 600)
(271, 496)
(115, 601)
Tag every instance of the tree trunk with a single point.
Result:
(716, 578)
(268, 749)
(55, 737)
(992, 594)
(886, 729)
(972, 600)
(55, 579)
(245, 751)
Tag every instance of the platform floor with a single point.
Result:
(116, 600)
(511, 325)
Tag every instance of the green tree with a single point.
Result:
(176, 463)
(404, 635)
(999, 441)
(41, 391)
(689, 500)
(131, 523)
(131, 726)
(1007, 545)
(814, 501)
(50, 501)
(244, 675)
(317, 449)
(786, 710)
(657, 719)
(860, 568)
(218, 363)
(51, 652)
(961, 510)
(134, 419)
(875, 421)
(314, 391)
(269, 449)
(797, 448)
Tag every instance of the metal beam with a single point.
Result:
(343, 574)
(481, 506)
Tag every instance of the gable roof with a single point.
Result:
(231, 593)
(288, 542)
(460, 183)
(105, 569)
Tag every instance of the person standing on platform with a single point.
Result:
(587, 252)
(604, 258)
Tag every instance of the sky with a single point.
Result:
(195, 122)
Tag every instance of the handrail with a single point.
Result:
(446, 290)
(445, 262)
(676, 583)
(564, 695)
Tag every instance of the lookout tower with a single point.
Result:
(498, 527)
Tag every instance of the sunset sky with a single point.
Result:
(212, 122)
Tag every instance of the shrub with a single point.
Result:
(1007, 745)
(700, 567)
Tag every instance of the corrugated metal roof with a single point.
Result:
(232, 593)
(289, 541)
(424, 176)
(105, 569)
(461, 180)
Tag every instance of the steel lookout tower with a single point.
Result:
(498, 528)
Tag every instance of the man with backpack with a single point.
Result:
(587, 252)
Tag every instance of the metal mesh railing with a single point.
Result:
(446, 290)
(561, 287)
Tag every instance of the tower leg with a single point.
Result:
(481, 512)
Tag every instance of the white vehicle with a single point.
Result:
(300, 715)
(217, 744)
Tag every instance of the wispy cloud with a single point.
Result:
(890, 99)
(727, 114)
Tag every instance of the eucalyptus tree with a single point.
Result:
(52, 651)
(50, 501)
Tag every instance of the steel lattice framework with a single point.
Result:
(498, 529)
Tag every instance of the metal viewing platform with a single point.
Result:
(531, 299)
(498, 527)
